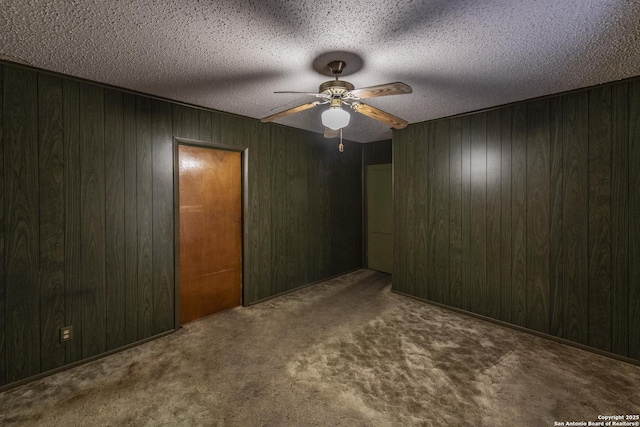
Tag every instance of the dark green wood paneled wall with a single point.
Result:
(528, 214)
(377, 152)
(86, 214)
(3, 287)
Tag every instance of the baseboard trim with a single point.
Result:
(523, 329)
(302, 287)
(146, 340)
(82, 362)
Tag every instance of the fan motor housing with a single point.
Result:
(335, 87)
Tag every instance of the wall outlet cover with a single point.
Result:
(66, 333)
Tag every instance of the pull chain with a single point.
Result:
(341, 145)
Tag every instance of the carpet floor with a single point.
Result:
(345, 352)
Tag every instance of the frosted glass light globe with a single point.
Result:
(335, 118)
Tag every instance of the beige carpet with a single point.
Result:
(346, 352)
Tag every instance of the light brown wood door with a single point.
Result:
(210, 231)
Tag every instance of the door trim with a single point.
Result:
(244, 170)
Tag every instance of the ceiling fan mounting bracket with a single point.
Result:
(336, 67)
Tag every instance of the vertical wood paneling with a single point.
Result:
(186, 122)
(575, 220)
(634, 219)
(353, 166)
(86, 214)
(478, 260)
(314, 230)
(466, 213)
(541, 214)
(228, 132)
(455, 212)
(440, 209)
(538, 215)
(376, 153)
(519, 215)
(264, 198)
(494, 213)
(115, 219)
(397, 209)
(326, 220)
(505, 244)
(409, 218)
(144, 201)
(217, 123)
(163, 239)
(131, 218)
(3, 283)
(295, 188)
(73, 253)
(204, 125)
(329, 176)
(345, 219)
(232, 133)
(278, 209)
(338, 211)
(326, 178)
(432, 291)
(51, 215)
(353, 185)
(558, 175)
(302, 208)
(254, 210)
(293, 184)
(556, 276)
(600, 218)
(326, 171)
(620, 219)
(92, 219)
(421, 212)
(21, 223)
(399, 203)
(323, 222)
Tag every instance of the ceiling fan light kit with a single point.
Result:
(335, 117)
(337, 93)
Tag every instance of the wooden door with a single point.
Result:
(379, 218)
(210, 231)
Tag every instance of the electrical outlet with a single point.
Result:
(66, 333)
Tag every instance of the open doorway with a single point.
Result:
(379, 199)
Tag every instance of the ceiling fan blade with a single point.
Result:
(381, 116)
(397, 88)
(317, 95)
(330, 133)
(287, 112)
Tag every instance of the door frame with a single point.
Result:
(244, 183)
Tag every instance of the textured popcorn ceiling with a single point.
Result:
(230, 55)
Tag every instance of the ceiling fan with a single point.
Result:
(337, 93)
